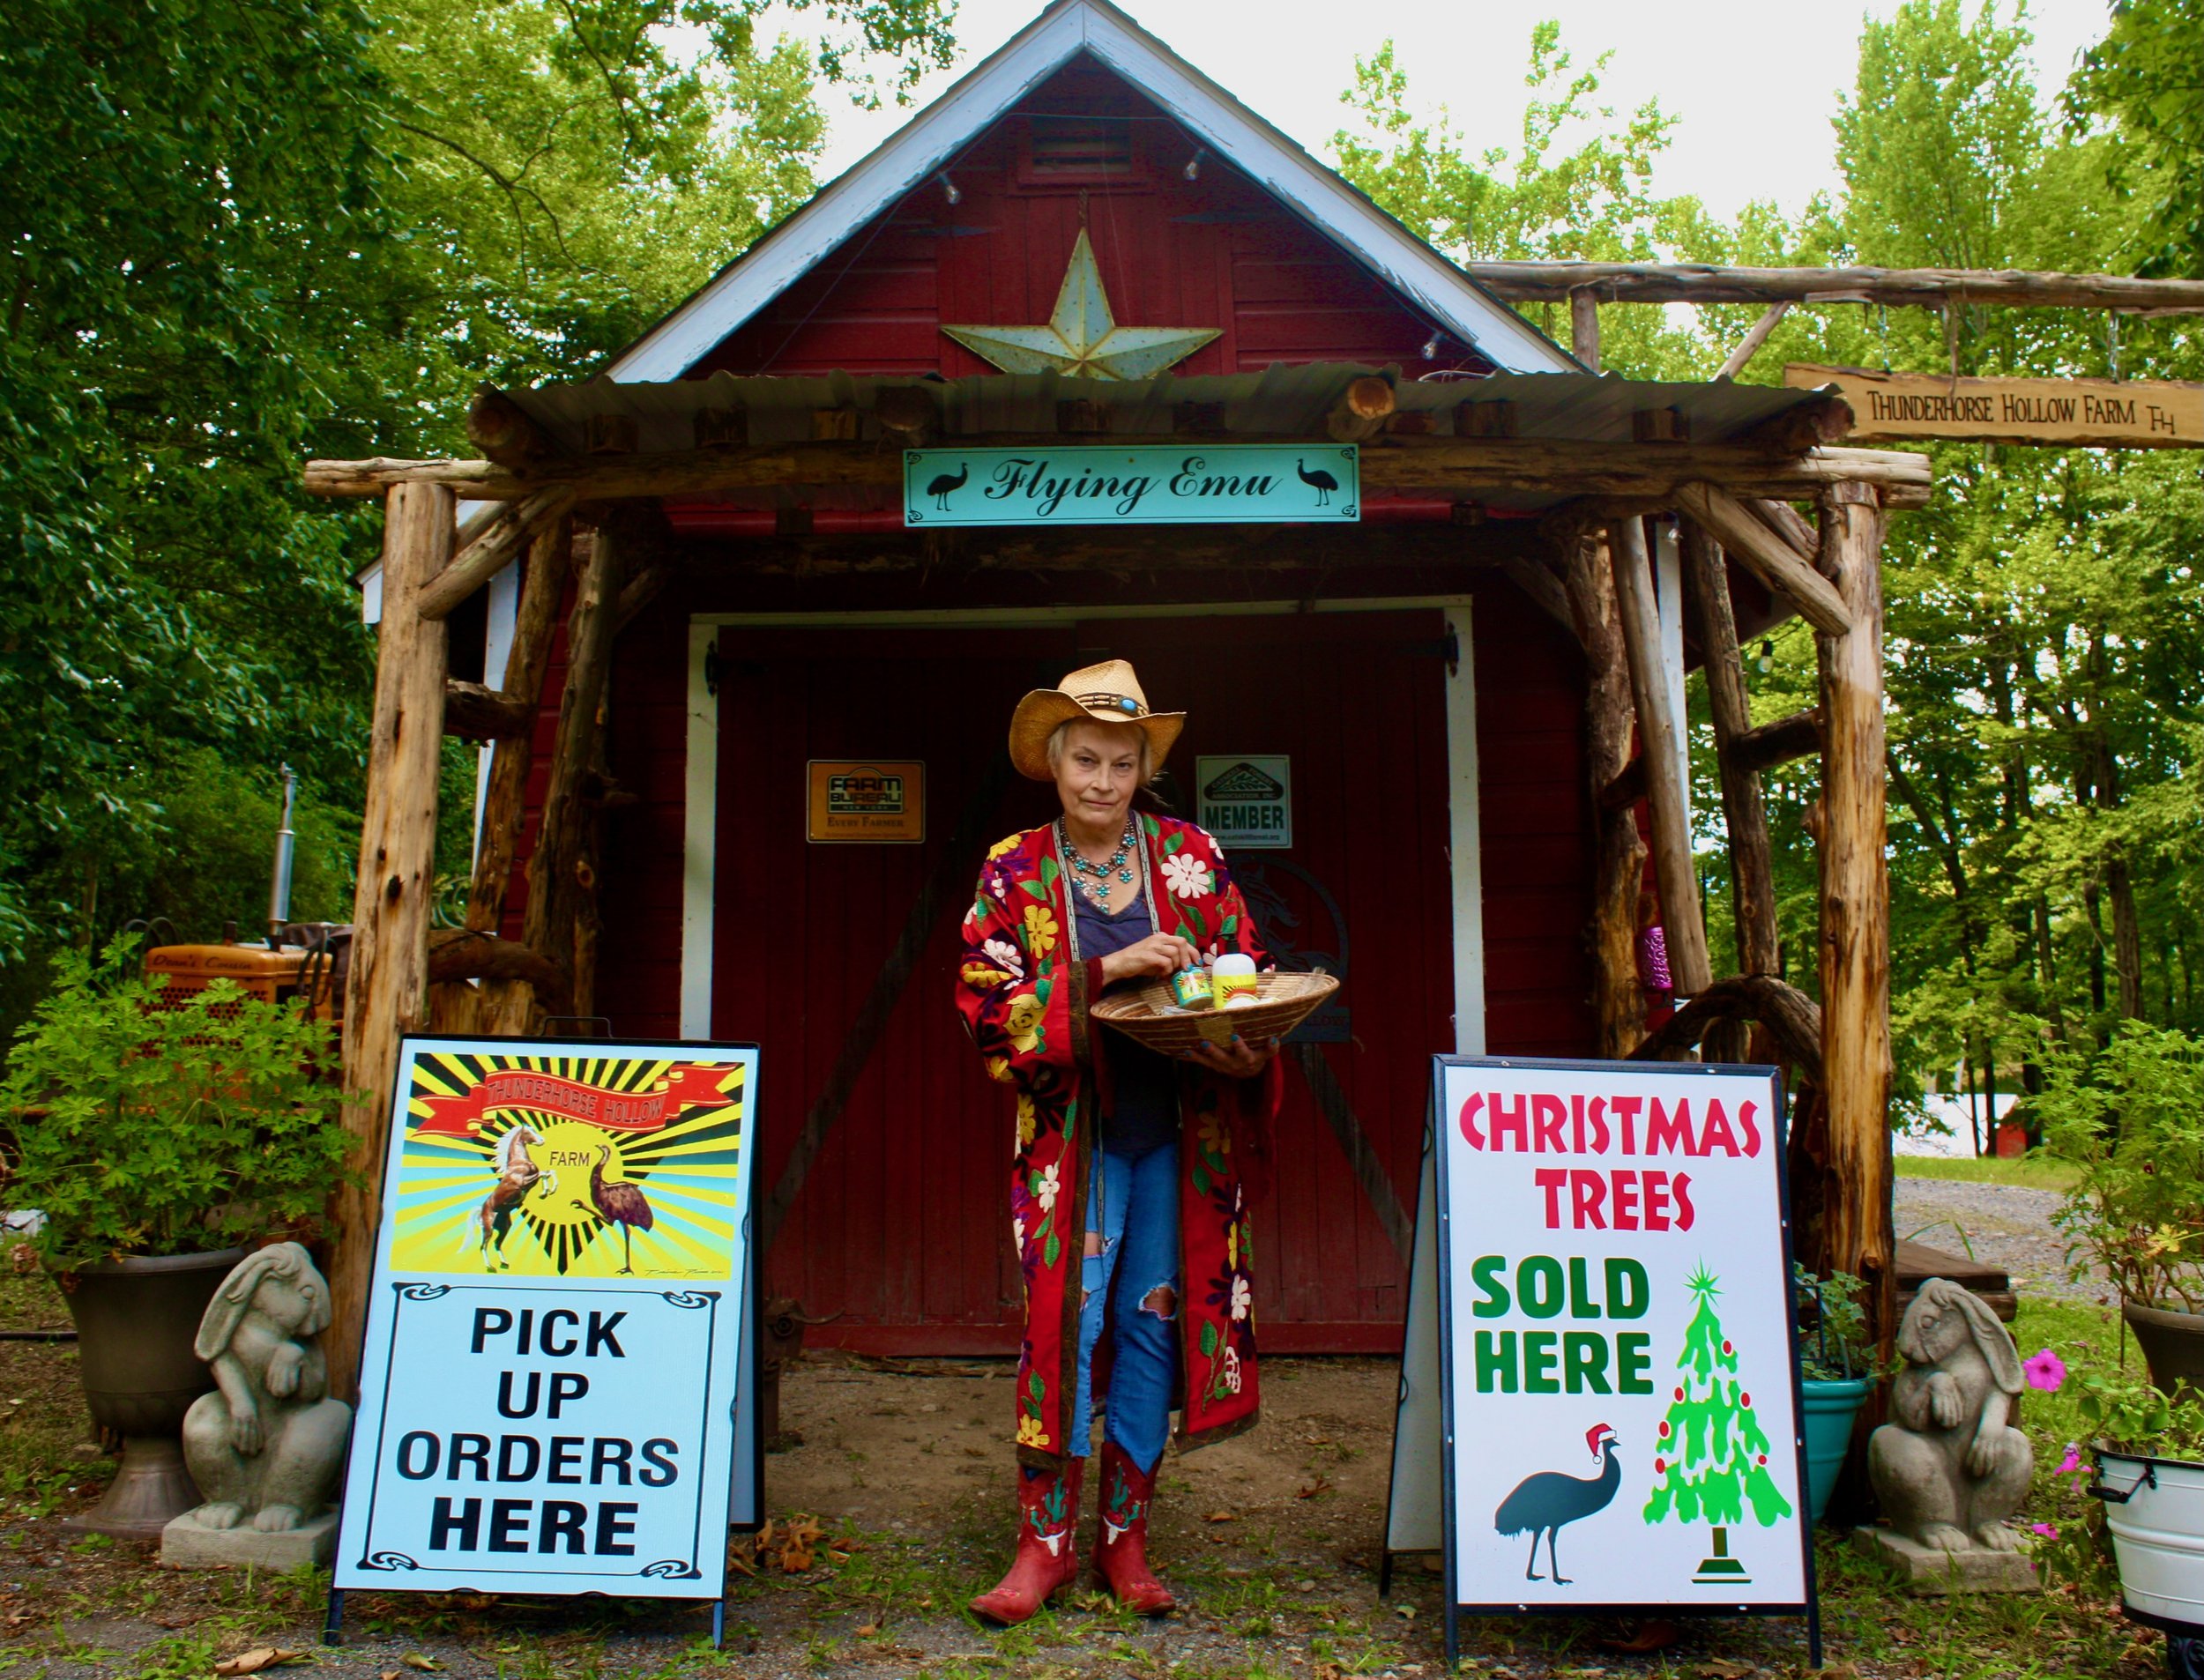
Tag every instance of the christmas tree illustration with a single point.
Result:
(1712, 1453)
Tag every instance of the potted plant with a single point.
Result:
(160, 1140)
(1835, 1374)
(2131, 1118)
(2149, 1456)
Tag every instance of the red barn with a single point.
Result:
(1086, 239)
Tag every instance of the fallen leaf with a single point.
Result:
(1724, 1668)
(1406, 1612)
(869, 1630)
(1314, 1488)
(261, 1656)
(1656, 1635)
(426, 1665)
(1220, 1516)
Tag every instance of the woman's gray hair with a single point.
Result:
(1147, 746)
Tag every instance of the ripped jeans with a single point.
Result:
(1135, 1213)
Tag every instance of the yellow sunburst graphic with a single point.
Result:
(559, 1166)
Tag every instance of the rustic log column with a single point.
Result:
(1584, 326)
(387, 992)
(1752, 868)
(1856, 1234)
(556, 869)
(1660, 738)
(1619, 858)
(505, 1002)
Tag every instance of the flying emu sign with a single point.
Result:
(1154, 485)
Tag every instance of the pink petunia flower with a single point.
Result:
(2046, 1370)
(2070, 1465)
(2044, 1529)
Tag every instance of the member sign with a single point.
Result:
(1619, 1400)
(547, 1394)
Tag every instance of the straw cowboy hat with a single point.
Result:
(1108, 692)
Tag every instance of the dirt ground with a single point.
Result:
(1271, 1540)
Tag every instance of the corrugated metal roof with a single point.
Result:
(1281, 400)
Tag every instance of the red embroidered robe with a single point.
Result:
(1025, 1001)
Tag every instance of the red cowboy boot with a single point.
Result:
(1047, 1559)
(1120, 1552)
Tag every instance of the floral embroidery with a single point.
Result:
(985, 978)
(1004, 954)
(1031, 1433)
(1187, 876)
(1028, 1122)
(999, 1069)
(1045, 1188)
(1024, 1023)
(1004, 848)
(1216, 1136)
(1040, 931)
(1243, 1298)
(1231, 1370)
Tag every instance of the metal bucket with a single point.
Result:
(2155, 1508)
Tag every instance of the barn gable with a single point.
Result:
(1083, 110)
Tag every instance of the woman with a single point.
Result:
(1127, 1161)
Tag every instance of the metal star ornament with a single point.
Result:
(1082, 337)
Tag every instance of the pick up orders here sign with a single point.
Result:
(1619, 1383)
(547, 1388)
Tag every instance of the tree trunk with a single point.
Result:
(1619, 858)
(386, 993)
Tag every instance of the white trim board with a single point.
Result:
(700, 818)
(932, 139)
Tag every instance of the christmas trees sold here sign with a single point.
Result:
(1621, 1415)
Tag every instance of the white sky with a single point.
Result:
(1755, 83)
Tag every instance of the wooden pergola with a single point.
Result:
(1781, 499)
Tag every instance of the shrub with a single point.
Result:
(2132, 1117)
(138, 1129)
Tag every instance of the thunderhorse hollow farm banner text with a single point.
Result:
(547, 1391)
(1619, 1390)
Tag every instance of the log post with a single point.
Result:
(505, 1000)
(1856, 1234)
(1660, 737)
(559, 869)
(1618, 857)
(1744, 815)
(386, 994)
(1584, 326)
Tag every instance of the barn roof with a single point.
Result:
(932, 139)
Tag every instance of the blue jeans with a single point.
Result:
(1134, 1211)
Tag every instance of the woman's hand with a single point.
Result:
(1158, 954)
(1238, 1059)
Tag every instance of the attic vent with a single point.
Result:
(1082, 148)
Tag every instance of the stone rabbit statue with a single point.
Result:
(1948, 1469)
(268, 1443)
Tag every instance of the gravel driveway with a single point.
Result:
(2004, 1225)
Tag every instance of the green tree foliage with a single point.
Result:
(2146, 77)
(241, 233)
(2044, 615)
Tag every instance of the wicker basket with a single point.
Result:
(1149, 1016)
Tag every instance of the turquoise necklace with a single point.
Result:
(1094, 878)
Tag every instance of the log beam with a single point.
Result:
(1546, 591)
(1792, 1019)
(386, 993)
(1927, 288)
(458, 954)
(1619, 856)
(499, 428)
(1361, 411)
(492, 551)
(1856, 1234)
(1546, 466)
(1660, 736)
(1745, 814)
(473, 712)
(1768, 556)
(1755, 336)
(1755, 750)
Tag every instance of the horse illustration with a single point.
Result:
(517, 1174)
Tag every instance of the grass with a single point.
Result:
(2029, 1171)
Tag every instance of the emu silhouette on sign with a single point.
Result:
(943, 484)
(618, 1204)
(1319, 481)
(1544, 1503)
